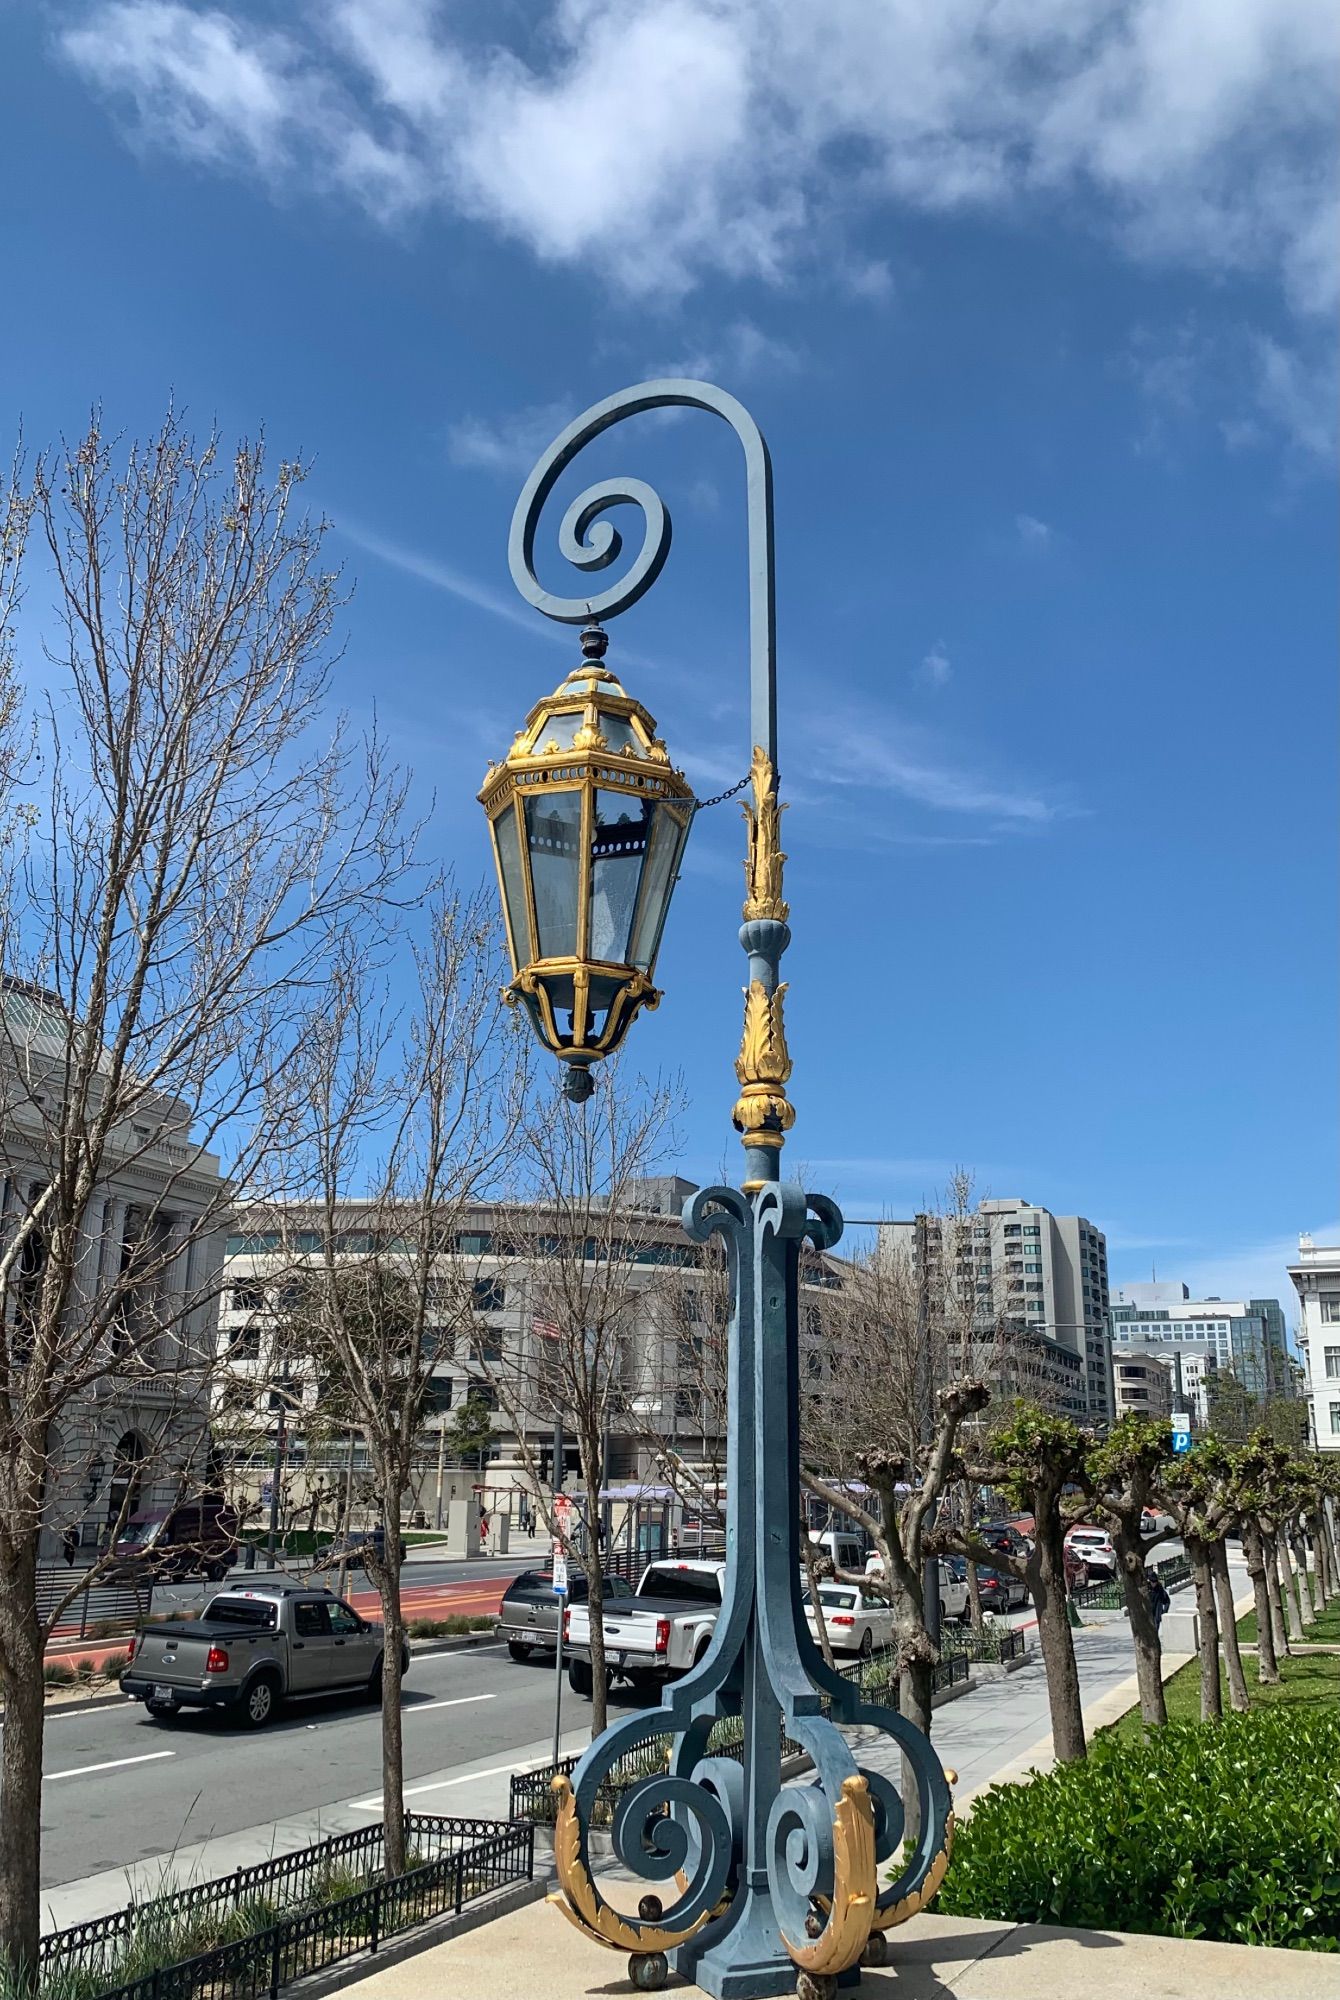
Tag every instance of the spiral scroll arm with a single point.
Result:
(590, 543)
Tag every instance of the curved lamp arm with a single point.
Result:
(589, 543)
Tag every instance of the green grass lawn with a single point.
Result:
(1326, 1631)
(1308, 1678)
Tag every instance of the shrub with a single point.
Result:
(1227, 1831)
(114, 1666)
(58, 1673)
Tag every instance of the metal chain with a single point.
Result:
(701, 805)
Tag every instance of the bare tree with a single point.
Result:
(1121, 1474)
(576, 1237)
(425, 1111)
(189, 851)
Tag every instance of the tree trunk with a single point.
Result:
(595, 1585)
(1267, 1667)
(1323, 1584)
(1277, 1630)
(1332, 1547)
(393, 1735)
(1228, 1628)
(1288, 1590)
(20, 1762)
(1305, 1604)
(1211, 1692)
(1046, 1574)
(812, 1587)
(974, 1599)
(915, 1687)
(1144, 1632)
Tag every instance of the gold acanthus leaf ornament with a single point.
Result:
(852, 1905)
(579, 1902)
(764, 861)
(764, 1056)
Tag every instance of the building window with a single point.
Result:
(248, 1298)
(244, 1343)
(488, 1295)
(1333, 1364)
(1335, 1419)
(1330, 1308)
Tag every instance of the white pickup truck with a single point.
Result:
(657, 1634)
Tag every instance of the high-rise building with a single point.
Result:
(1316, 1279)
(1244, 1338)
(1041, 1281)
(1144, 1385)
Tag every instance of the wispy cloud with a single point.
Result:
(886, 752)
(934, 669)
(1034, 534)
(441, 576)
(740, 349)
(508, 444)
(661, 143)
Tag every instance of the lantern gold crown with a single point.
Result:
(589, 819)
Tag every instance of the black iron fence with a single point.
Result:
(263, 1927)
(1173, 1573)
(994, 1643)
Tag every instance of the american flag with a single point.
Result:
(547, 1329)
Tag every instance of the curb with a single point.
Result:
(457, 1642)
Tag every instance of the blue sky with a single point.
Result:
(1035, 306)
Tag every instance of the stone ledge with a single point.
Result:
(534, 1953)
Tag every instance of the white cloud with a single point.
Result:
(883, 751)
(1256, 387)
(1034, 534)
(681, 136)
(508, 444)
(740, 349)
(935, 670)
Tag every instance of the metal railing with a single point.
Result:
(996, 1643)
(290, 1924)
(118, 1607)
(1173, 1572)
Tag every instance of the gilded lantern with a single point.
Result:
(589, 820)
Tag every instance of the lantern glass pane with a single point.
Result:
(667, 841)
(553, 837)
(514, 884)
(619, 734)
(618, 844)
(559, 731)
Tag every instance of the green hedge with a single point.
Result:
(1228, 1831)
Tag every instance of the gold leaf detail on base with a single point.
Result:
(916, 1900)
(764, 861)
(851, 1910)
(579, 1901)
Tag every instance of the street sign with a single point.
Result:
(560, 1585)
(1181, 1431)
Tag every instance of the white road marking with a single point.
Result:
(439, 1785)
(113, 1764)
(456, 1701)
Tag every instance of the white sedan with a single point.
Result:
(854, 1622)
(953, 1576)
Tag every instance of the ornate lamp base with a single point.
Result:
(779, 1887)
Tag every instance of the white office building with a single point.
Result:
(1316, 1279)
(1242, 1337)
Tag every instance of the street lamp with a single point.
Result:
(778, 1890)
(589, 820)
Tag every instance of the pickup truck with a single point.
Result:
(658, 1633)
(251, 1649)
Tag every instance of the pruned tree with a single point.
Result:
(193, 841)
(1035, 1458)
(421, 1112)
(1121, 1473)
(575, 1235)
(1199, 1490)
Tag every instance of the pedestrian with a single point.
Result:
(70, 1544)
(527, 1523)
(483, 1528)
(1159, 1599)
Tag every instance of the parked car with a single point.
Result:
(529, 1614)
(1152, 1522)
(658, 1633)
(1003, 1535)
(1094, 1548)
(354, 1549)
(953, 1576)
(165, 1544)
(250, 1650)
(854, 1622)
(998, 1590)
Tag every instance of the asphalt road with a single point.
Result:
(119, 1787)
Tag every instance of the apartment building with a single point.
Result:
(1039, 1282)
(1143, 1385)
(1316, 1279)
